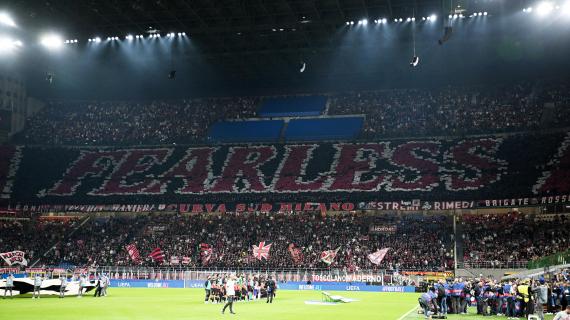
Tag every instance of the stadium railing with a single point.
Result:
(493, 265)
(285, 274)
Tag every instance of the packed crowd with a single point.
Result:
(448, 111)
(513, 298)
(415, 241)
(502, 238)
(390, 113)
(132, 123)
(103, 241)
(34, 237)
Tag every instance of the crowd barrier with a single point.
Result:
(295, 285)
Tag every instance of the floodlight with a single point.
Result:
(5, 19)
(544, 8)
(8, 44)
(51, 41)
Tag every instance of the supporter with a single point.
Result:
(132, 123)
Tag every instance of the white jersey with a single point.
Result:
(230, 289)
(562, 315)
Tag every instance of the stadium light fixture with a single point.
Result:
(544, 8)
(7, 20)
(413, 18)
(433, 17)
(384, 20)
(129, 37)
(51, 41)
(8, 44)
(408, 19)
(566, 8)
(485, 13)
(401, 20)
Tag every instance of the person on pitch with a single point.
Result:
(230, 293)
(270, 287)
(37, 286)
(208, 288)
(9, 285)
(63, 285)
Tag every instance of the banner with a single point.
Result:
(206, 252)
(157, 255)
(14, 257)
(185, 260)
(133, 252)
(378, 256)
(174, 260)
(329, 256)
(263, 207)
(261, 251)
(383, 229)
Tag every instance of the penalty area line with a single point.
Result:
(407, 313)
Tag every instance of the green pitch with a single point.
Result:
(188, 304)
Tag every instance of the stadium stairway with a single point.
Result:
(67, 236)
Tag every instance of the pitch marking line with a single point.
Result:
(407, 313)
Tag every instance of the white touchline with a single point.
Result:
(407, 313)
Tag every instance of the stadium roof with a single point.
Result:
(266, 41)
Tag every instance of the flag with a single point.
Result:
(262, 251)
(205, 253)
(296, 253)
(133, 252)
(174, 260)
(185, 260)
(157, 255)
(329, 256)
(378, 256)
(14, 257)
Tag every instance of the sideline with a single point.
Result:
(407, 313)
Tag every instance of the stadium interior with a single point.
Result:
(401, 159)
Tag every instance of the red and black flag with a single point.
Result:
(157, 255)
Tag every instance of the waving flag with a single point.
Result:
(329, 256)
(296, 253)
(157, 255)
(133, 252)
(205, 253)
(378, 256)
(261, 251)
(14, 257)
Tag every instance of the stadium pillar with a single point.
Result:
(454, 242)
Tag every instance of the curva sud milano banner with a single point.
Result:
(519, 170)
(414, 205)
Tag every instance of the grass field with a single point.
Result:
(187, 304)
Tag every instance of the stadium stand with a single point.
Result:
(451, 111)
(478, 168)
(246, 131)
(294, 106)
(343, 128)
